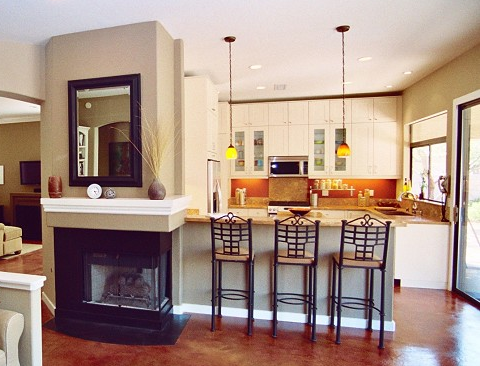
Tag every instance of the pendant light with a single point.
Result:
(231, 153)
(343, 150)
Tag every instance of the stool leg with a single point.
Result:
(339, 305)
(314, 305)
(371, 302)
(250, 297)
(214, 290)
(309, 296)
(333, 294)
(382, 312)
(274, 334)
(219, 296)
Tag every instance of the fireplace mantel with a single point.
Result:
(116, 214)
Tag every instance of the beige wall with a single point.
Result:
(22, 75)
(144, 48)
(18, 141)
(437, 91)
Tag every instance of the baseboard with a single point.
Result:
(48, 303)
(282, 316)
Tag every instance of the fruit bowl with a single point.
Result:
(299, 210)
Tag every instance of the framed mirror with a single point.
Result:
(104, 126)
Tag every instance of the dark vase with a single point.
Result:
(156, 191)
(55, 186)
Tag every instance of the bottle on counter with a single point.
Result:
(367, 196)
(323, 184)
(314, 199)
(405, 187)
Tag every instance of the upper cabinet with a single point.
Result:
(381, 109)
(251, 145)
(288, 128)
(329, 111)
(247, 115)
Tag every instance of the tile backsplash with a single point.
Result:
(288, 189)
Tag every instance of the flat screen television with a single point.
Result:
(30, 172)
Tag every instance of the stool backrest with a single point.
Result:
(299, 236)
(367, 238)
(230, 233)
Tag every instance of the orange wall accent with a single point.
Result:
(255, 187)
(384, 188)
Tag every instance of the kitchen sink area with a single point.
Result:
(394, 212)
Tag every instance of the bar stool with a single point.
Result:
(231, 242)
(363, 245)
(296, 244)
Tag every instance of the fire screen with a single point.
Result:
(121, 280)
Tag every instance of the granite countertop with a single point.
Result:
(397, 221)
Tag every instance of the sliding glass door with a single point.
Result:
(467, 194)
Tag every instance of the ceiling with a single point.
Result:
(295, 41)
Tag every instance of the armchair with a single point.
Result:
(11, 328)
(10, 240)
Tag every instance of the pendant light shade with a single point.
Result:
(343, 150)
(231, 152)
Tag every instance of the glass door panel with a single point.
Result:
(467, 246)
(258, 151)
(240, 146)
(319, 150)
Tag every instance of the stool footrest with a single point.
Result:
(293, 298)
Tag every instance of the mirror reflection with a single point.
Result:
(104, 123)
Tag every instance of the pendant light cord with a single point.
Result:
(343, 84)
(230, 102)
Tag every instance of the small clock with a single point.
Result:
(94, 191)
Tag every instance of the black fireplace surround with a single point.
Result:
(77, 250)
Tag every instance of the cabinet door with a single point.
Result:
(239, 165)
(362, 110)
(297, 140)
(298, 113)
(385, 109)
(240, 115)
(336, 111)
(277, 113)
(223, 118)
(362, 149)
(212, 133)
(318, 112)
(386, 151)
(318, 160)
(256, 164)
(339, 165)
(278, 140)
(258, 114)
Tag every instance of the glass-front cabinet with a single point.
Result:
(252, 152)
(324, 140)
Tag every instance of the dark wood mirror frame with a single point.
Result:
(135, 177)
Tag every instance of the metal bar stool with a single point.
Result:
(363, 245)
(231, 242)
(296, 244)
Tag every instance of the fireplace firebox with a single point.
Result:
(113, 276)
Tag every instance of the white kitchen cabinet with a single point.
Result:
(288, 128)
(422, 256)
(323, 161)
(223, 118)
(291, 113)
(288, 140)
(328, 111)
(240, 115)
(258, 114)
(251, 145)
(379, 109)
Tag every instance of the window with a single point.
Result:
(428, 156)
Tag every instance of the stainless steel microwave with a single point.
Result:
(288, 166)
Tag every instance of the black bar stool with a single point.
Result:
(231, 242)
(296, 244)
(363, 245)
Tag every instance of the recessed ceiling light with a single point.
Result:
(407, 72)
(255, 67)
(261, 87)
(366, 58)
(388, 86)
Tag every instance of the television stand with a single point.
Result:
(27, 214)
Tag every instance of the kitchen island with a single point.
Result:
(195, 272)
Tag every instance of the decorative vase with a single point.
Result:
(55, 186)
(156, 191)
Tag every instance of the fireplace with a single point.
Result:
(113, 276)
